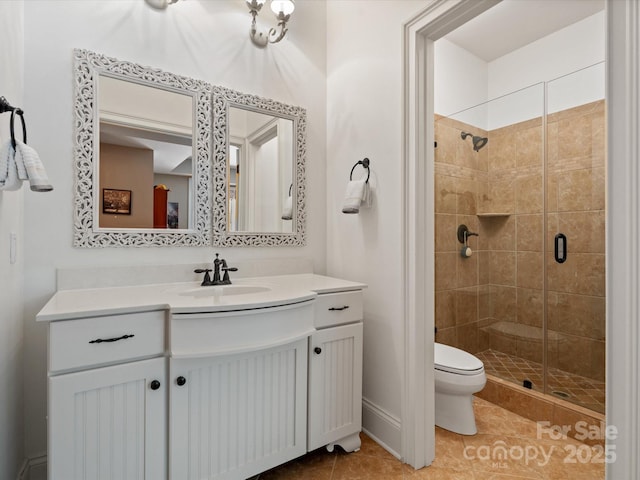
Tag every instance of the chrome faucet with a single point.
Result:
(218, 264)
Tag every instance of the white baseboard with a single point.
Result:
(382, 427)
(34, 468)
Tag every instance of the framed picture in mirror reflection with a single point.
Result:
(117, 202)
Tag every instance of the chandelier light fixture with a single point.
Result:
(282, 9)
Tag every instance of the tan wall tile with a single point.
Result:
(445, 271)
(504, 303)
(466, 305)
(445, 233)
(499, 232)
(466, 196)
(576, 315)
(529, 233)
(529, 270)
(581, 273)
(445, 194)
(581, 190)
(445, 308)
(574, 354)
(447, 336)
(468, 337)
(502, 152)
(503, 268)
(529, 147)
(485, 310)
(574, 137)
(529, 194)
(501, 196)
(484, 267)
(447, 139)
(466, 271)
(530, 306)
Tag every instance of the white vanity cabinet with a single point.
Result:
(233, 416)
(184, 383)
(238, 401)
(335, 372)
(107, 421)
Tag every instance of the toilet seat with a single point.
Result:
(453, 360)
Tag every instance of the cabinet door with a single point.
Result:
(109, 423)
(233, 416)
(335, 384)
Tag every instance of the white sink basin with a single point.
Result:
(224, 290)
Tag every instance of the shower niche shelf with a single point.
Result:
(492, 214)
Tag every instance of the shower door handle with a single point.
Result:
(560, 249)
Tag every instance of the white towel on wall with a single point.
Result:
(20, 164)
(36, 173)
(9, 179)
(357, 192)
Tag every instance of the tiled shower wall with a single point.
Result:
(495, 298)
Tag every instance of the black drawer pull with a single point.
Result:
(335, 309)
(181, 381)
(155, 385)
(103, 340)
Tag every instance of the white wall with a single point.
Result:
(463, 81)
(460, 82)
(208, 40)
(364, 119)
(11, 220)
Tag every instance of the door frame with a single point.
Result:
(418, 414)
(623, 226)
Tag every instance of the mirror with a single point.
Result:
(137, 183)
(259, 164)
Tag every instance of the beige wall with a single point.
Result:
(504, 280)
(126, 168)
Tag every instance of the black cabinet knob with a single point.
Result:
(317, 350)
(155, 385)
(181, 381)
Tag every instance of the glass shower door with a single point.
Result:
(575, 237)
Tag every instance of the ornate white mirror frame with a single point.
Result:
(223, 99)
(88, 66)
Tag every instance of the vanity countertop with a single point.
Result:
(283, 289)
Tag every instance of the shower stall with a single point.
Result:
(528, 298)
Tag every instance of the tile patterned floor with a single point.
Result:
(582, 391)
(519, 450)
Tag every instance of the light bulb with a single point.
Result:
(284, 6)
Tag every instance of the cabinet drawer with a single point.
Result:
(338, 308)
(100, 340)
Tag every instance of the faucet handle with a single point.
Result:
(207, 279)
(225, 278)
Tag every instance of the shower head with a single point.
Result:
(478, 142)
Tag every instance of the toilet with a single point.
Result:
(458, 375)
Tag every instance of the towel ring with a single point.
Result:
(365, 163)
(5, 106)
(19, 112)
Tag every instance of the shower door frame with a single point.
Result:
(623, 225)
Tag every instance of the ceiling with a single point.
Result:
(512, 24)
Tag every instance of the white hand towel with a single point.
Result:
(356, 190)
(287, 211)
(36, 174)
(9, 178)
